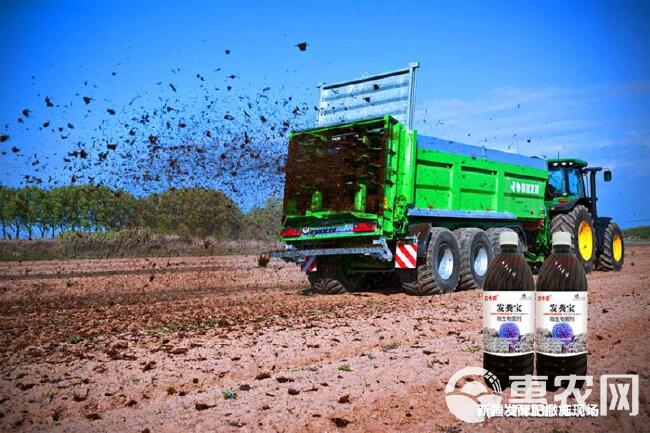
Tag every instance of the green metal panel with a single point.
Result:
(423, 178)
(399, 177)
(458, 182)
(433, 184)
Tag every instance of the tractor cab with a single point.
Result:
(571, 182)
(571, 199)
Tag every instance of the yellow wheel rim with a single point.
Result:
(617, 248)
(585, 241)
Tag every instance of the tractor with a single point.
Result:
(571, 201)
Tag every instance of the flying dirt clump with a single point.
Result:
(213, 131)
(263, 260)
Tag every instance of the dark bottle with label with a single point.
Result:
(508, 313)
(561, 315)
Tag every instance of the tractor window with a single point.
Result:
(575, 182)
(555, 186)
(565, 181)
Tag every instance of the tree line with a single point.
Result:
(31, 212)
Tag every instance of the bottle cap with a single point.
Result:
(561, 238)
(508, 238)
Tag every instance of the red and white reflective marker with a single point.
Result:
(406, 256)
(309, 265)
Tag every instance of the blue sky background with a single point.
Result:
(571, 77)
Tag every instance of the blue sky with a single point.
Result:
(571, 77)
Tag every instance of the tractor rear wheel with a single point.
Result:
(611, 259)
(475, 254)
(580, 224)
(329, 278)
(439, 271)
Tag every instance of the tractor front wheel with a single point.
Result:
(613, 254)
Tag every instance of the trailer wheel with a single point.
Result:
(329, 278)
(475, 254)
(325, 286)
(439, 272)
(580, 224)
(493, 236)
(611, 259)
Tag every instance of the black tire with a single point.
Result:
(427, 279)
(570, 222)
(493, 236)
(472, 242)
(329, 278)
(607, 260)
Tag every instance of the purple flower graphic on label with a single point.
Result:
(509, 331)
(562, 331)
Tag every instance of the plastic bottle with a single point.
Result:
(508, 313)
(561, 317)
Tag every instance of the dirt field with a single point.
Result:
(155, 345)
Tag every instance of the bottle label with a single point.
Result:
(561, 323)
(508, 322)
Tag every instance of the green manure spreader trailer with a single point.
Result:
(370, 201)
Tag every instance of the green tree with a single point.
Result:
(7, 209)
(192, 212)
(41, 202)
(264, 222)
(28, 202)
(187, 212)
(58, 200)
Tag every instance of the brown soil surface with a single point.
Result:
(137, 345)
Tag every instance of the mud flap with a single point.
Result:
(406, 254)
(309, 265)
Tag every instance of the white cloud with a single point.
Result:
(607, 125)
(573, 122)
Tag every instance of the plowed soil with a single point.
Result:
(220, 344)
